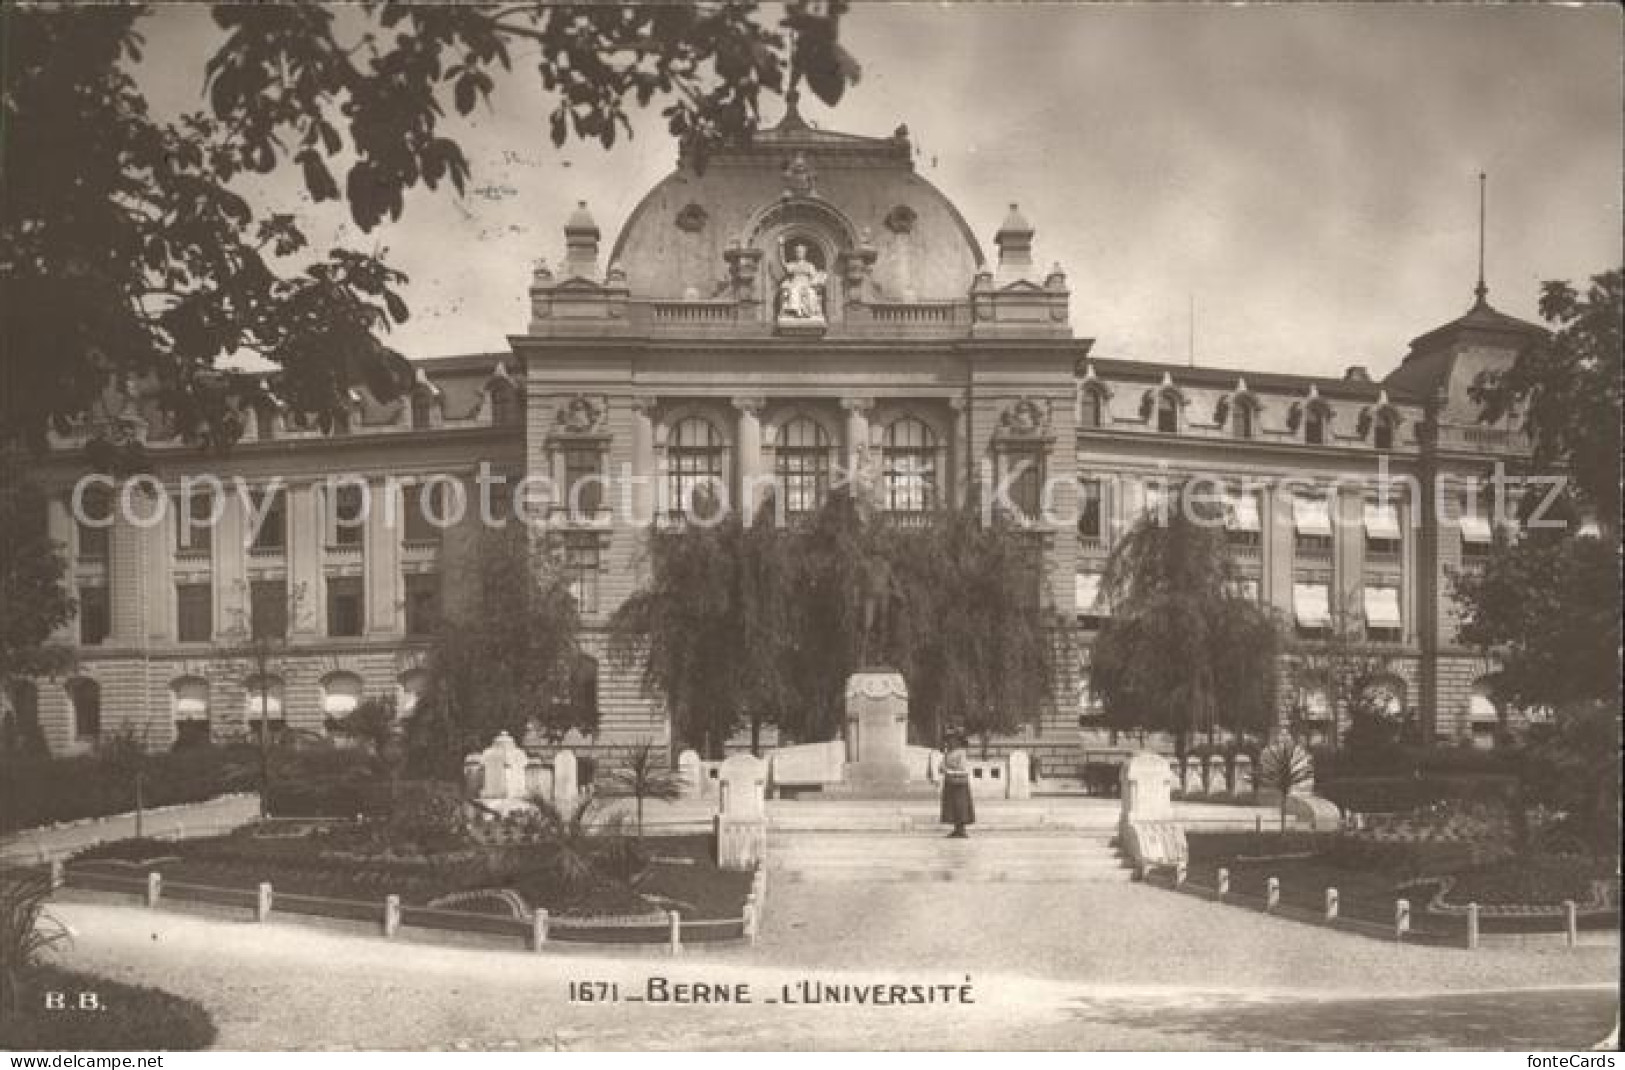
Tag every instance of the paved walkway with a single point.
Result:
(1051, 967)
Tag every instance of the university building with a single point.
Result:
(802, 308)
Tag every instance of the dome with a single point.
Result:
(840, 195)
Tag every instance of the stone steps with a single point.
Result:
(1033, 857)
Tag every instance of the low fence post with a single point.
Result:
(1272, 894)
(392, 916)
(262, 905)
(750, 918)
(538, 930)
(676, 921)
(1402, 918)
(1331, 904)
(1472, 926)
(1258, 824)
(1223, 884)
(155, 888)
(1179, 874)
(1571, 923)
(58, 877)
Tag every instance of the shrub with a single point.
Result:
(27, 932)
(40, 790)
(1404, 794)
(127, 1018)
(1527, 881)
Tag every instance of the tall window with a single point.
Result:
(1024, 475)
(344, 606)
(909, 466)
(421, 512)
(1090, 523)
(348, 522)
(194, 612)
(194, 532)
(95, 521)
(1241, 418)
(583, 480)
(695, 452)
(802, 466)
(1382, 535)
(1092, 412)
(1167, 413)
(1312, 526)
(95, 616)
(1314, 426)
(581, 566)
(268, 608)
(505, 409)
(86, 696)
(271, 504)
(422, 602)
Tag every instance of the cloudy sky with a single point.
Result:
(1305, 174)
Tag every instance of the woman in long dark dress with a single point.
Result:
(957, 809)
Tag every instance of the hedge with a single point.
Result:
(1403, 794)
(126, 1017)
(37, 790)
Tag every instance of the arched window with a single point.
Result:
(909, 466)
(1092, 408)
(86, 696)
(802, 464)
(341, 694)
(262, 700)
(695, 463)
(1167, 413)
(505, 408)
(189, 703)
(1315, 420)
(1243, 416)
(1382, 433)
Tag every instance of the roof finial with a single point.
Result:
(1481, 291)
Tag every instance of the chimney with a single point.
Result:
(1015, 242)
(581, 244)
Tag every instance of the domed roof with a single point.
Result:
(843, 192)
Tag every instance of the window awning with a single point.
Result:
(1475, 528)
(1381, 521)
(1480, 709)
(1243, 514)
(1312, 516)
(1311, 604)
(1382, 607)
(1088, 595)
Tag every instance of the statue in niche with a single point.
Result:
(801, 290)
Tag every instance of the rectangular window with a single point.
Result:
(421, 512)
(93, 524)
(1091, 524)
(1242, 525)
(583, 481)
(344, 606)
(348, 521)
(268, 608)
(1382, 619)
(1312, 608)
(1477, 535)
(1382, 535)
(272, 505)
(422, 603)
(95, 616)
(194, 529)
(581, 565)
(194, 612)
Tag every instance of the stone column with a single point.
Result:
(644, 495)
(231, 602)
(59, 526)
(857, 431)
(750, 452)
(158, 550)
(383, 561)
(306, 534)
(956, 478)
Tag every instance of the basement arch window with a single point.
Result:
(189, 703)
(262, 700)
(86, 696)
(341, 694)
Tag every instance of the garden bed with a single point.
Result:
(1516, 894)
(124, 1017)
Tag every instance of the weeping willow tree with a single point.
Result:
(1184, 650)
(740, 625)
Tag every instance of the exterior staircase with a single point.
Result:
(894, 840)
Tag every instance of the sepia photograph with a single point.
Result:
(895, 527)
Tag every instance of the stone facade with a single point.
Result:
(922, 349)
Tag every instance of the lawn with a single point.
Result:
(347, 862)
(1516, 894)
(97, 1014)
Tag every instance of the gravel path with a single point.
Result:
(1178, 975)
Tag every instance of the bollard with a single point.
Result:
(1224, 882)
(58, 877)
(1272, 893)
(1472, 926)
(392, 916)
(1179, 874)
(1571, 923)
(750, 918)
(676, 931)
(1331, 904)
(1258, 824)
(262, 905)
(1402, 918)
(538, 930)
(155, 888)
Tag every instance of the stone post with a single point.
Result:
(565, 785)
(750, 452)
(692, 773)
(1571, 923)
(1402, 918)
(538, 930)
(676, 922)
(1223, 882)
(155, 888)
(1472, 926)
(58, 877)
(1018, 778)
(1272, 894)
(262, 902)
(1331, 904)
(741, 820)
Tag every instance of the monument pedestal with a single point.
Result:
(876, 733)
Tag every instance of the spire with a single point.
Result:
(1481, 291)
(1015, 242)
(581, 244)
